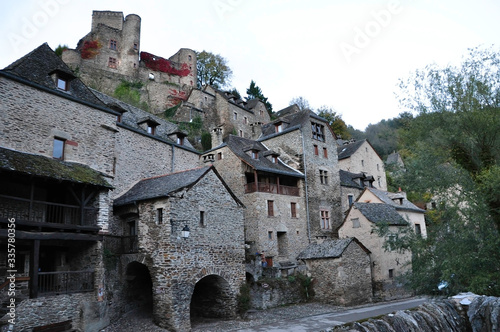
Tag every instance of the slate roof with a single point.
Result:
(347, 179)
(39, 64)
(293, 121)
(42, 166)
(347, 150)
(380, 213)
(387, 197)
(239, 146)
(327, 249)
(161, 186)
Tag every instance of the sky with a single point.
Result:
(348, 55)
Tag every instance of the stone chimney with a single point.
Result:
(216, 137)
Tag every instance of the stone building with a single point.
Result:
(305, 142)
(191, 274)
(274, 194)
(110, 53)
(361, 157)
(351, 186)
(341, 269)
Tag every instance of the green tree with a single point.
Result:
(212, 70)
(335, 121)
(451, 150)
(60, 49)
(254, 92)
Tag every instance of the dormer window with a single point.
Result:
(255, 154)
(274, 159)
(149, 125)
(151, 128)
(278, 127)
(62, 84)
(61, 79)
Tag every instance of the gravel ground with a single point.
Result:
(137, 320)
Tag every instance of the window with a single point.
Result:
(58, 149)
(112, 62)
(355, 223)
(235, 116)
(202, 218)
(151, 128)
(325, 219)
(135, 46)
(274, 159)
(112, 44)
(159, 216)
(350, 198)
(255, 154)
(418, 230)
(362, 162)
(325, 153)
(241, 133)
(245, 120)
(316, 151)
(180, 140)
(270, 208)
(323, 177)
(391, 273)
(62, 84)
(219, 156)
(318, 131)
(293, 209)
(270, 235)
(261, 112)
(119, 118)
(279, 127)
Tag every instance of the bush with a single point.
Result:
(244, 299)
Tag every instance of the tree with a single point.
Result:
(60, 49)
(301, 102)
(212, 70)
(452, 150)
(335, 121)
(254, 92)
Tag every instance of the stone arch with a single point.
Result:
(138, 287)
(212, 298)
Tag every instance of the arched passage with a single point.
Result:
(138, 287)
(212, 299)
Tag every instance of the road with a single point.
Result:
(321, 322)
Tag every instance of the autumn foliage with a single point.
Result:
(157, 63)
(90, 49)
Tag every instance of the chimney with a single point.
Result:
(216, 137)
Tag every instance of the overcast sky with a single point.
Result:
(347, 55)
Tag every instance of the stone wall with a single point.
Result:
(345, 280)
(276, 293)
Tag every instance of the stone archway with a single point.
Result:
(138, 287)
(212, 299)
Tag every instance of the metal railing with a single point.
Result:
(271, 188)
(64, 282)
(46, 212)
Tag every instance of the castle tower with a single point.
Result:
(106, 17)
(130, 48)
(188, 57)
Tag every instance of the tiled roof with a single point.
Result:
(347, 179)
(380, 213)
(327, 249)
(42, 166)
(39, 64)
(347, 150)
(161, 186)
(387, 197)
(240, 145)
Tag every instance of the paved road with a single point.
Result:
(325, 321)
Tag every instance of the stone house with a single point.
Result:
(361, 157)
(386, 265)
(190, 274)
(110, 53)
(341, 269)
(274, 194)
(305, 142)
(351, 186)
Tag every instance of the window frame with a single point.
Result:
(112, 62)
(318, 131)
(62, 148)
(270, 208)
(293, 209)
(113, 44)
(324, 215)
(323, 177)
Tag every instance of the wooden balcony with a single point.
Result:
(271, 188)
(65, 282)
(33, 211)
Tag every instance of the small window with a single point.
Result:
(325, 153)
(112, 44)
(355, 223)
(323, 177)
(318, 131)
(261, 112)
(418, 230)
(159, 216)
(274, 159)
(112, 62)
(362, 162)
(279, 127)
(270, 235)
(135, 46)
(391, 273)
(293, 209)
(241, 133)
(189, 57)
(180, 140)
(119, 118)
(202, 218)
(270, 208)
(58, 149)
(255, 154)
(235, 116)
(151, 128)
(316, 151)
(325, 219)
(219, 156)
(62, 84)
(350, 198)
(245, 120)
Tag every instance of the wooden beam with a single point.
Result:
(35, 264)
(23, 235)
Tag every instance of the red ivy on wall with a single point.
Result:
(157, 63)
(90, 49)
(177, 96)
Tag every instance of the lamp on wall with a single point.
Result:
(185, 232)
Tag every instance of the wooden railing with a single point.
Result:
(64, 282)
(271, 188)
(46, 212)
